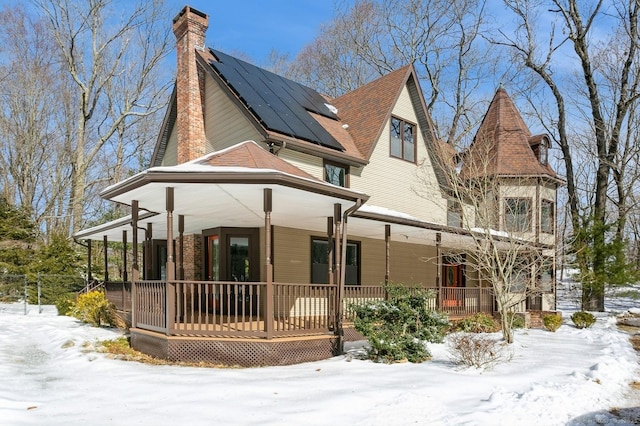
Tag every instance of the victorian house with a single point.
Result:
(268, 209)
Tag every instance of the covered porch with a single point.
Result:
(204, 287)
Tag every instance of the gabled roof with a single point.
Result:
(502, 144)
(367, 109)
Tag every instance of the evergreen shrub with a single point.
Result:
(398, 327)
(583, 319)
(552, 322)
(477, 323)
(94, 308)
(65, 305)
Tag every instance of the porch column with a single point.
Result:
(148, 252)
(330, 244)
(387, 254)
(106, 259)
(89, 277)
(171, 274)
(181, 247)
(269, 309)
(170, 268)
(337, 219)
(124, 256)
(439, 270)
(135, 273)
(124, 269)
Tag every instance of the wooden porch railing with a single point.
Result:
(119, 293)
(238, 309)
(463, 301)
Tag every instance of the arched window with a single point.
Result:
(544, 151)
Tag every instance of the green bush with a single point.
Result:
(583, 319)
(552, 322)
(517, 321)
(95, 309)
(398, 327)
(65, 305)
(477, 323)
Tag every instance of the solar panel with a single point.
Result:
(280, 104)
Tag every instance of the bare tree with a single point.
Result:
(30, 155)
(442, 39)
(111, 54)
(496, 216)
(602, 109)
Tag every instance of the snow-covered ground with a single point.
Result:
(50, 375)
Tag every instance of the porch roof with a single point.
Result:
(226, 189)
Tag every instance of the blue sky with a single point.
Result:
(257, 26)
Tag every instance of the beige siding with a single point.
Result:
(411, 264)
(291, 255)
(224, 123)
(171, 152)
(309, 163)
(400, 185)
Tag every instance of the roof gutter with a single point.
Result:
(314, 149)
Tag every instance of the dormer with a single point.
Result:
(540, 145)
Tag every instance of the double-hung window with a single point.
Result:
(336, 174)
(517, 214)
(403, 139)
(547, 218)
(320, 262)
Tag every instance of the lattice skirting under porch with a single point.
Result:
(234, 352)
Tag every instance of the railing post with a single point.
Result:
(269, 309)
(170, 296)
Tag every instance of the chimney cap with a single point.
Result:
(189, 9)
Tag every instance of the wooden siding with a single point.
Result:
(224, 124)
(411, 264)
(171, 152)
(308, 163)
(291, 255)
(393, 182)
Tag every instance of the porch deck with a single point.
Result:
(235, 323)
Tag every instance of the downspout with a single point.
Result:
(343, 260)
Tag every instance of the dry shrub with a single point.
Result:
(478, 350)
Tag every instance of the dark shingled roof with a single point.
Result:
(502, 144)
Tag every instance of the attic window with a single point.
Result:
(403, 139)
(544, 151)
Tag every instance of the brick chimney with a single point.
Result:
(189, 27)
